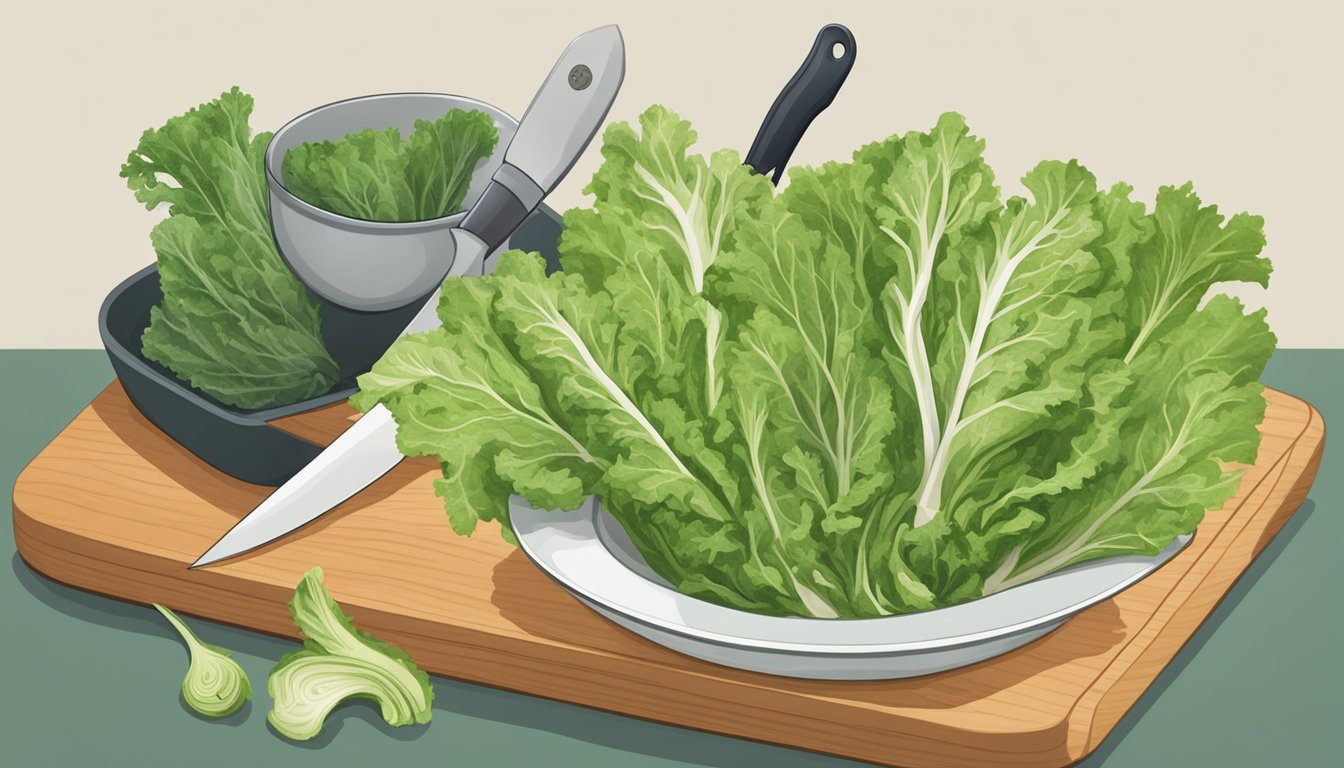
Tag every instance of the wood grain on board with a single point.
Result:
(114, 506)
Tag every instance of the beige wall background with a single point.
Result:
(1242, 98)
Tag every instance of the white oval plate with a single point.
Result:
(588, 553)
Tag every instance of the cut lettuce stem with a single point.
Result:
(215, 685)
(336, 663)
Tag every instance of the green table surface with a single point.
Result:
(93, 680)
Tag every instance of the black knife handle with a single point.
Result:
(810, 92)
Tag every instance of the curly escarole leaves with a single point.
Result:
(880, 390)
(661, 221)
(234, 321)
(378, 176)
(338, 662)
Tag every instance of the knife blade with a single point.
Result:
(558, 125)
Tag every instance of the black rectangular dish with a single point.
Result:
(241, 442)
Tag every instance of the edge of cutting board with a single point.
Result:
(1111, 696)
(591, 662)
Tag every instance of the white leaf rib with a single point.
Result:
(1058, 556)
(684, 216)
(815, 429)
(929, 495)
(754, 428)
(454, 386)
(552, 318)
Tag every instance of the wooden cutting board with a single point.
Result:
(114, 506)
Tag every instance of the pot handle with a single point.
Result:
(807, 95)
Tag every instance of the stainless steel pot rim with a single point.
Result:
(275, 176)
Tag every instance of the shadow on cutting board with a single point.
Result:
(526, 598)
(217, 489)
(178, 464)
(592, 726)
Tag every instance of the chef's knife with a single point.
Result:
(558, 125)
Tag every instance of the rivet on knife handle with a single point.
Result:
(554, 131)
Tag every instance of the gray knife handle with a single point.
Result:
(496, 215)
(567, 110)
(558, 125)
